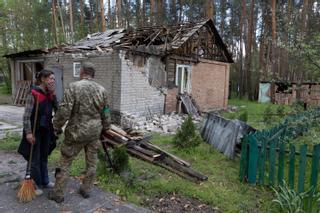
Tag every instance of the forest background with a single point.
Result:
(270, 40)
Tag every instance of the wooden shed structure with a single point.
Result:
(144, 69)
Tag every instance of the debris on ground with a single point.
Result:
(178, 203)
(167, 124)
(139, 146)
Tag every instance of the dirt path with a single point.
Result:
(12, 168)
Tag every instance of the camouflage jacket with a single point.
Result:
(86, 109)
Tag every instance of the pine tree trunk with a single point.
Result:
(61, 21)
(143, 20)
(209, 12)
(81, 14)
(138, 13)
(160, 12)
(223, 16)
(71, 20)
(97, 15)
(274, 39)
(110, 21)
(249, 51)
(54, 22)
(304, 22)
(181, 3)
(284, 62)
(151, 12)
(103, 20)
(241, 78)
(91, 17)
(118, 13)
(174, 11)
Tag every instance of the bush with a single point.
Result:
(187, 136)
(119, 160)
(280, 111)
(267, 115)
(243, 116)
(297, 106)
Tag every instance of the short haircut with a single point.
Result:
(88, 68)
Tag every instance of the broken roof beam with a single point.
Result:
(154, 37)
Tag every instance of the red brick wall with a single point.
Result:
(210, 84)
(171, 100)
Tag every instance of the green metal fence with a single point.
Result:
(267, 157)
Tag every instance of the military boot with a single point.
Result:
(54, 197)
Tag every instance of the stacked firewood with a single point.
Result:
(140, 147)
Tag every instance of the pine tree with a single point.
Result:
(187, 136)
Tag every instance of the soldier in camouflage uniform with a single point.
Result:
(85, 107)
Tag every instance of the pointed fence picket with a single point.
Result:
(270, 161)
(267, 157)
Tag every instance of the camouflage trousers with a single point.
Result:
(69, 150)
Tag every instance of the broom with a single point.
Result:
(27, 190)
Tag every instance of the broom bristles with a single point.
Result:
(27, 191)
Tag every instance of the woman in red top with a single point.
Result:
(43, 95)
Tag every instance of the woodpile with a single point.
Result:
(140, 147)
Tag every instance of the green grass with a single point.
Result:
(222, 189)
(4, 89)
(255, 112)
(5, 94)
(10, 143)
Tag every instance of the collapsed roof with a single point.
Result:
(196, 40)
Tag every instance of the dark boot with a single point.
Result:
(54, 197)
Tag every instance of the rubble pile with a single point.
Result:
(167, 124)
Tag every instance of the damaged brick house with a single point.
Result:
(144, 69)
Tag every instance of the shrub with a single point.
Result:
(187, 136)
(280, 111)
(119, 160)
(297, 106)
(243, 116)
(267, 115)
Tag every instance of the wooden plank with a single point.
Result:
(189, 106)
(161, 151)
(186, 170)
(281, 164)
(253, 159)
(315, 166)
(115, 134)
(145, 151)
(262, 163)
(302, 167)
(272, 162)
(244, 159)
(118, 130)
(291, 171)
(18, 87)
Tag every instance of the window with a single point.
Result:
(183, 78)
(76, 69)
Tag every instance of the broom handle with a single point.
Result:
(33, 134)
